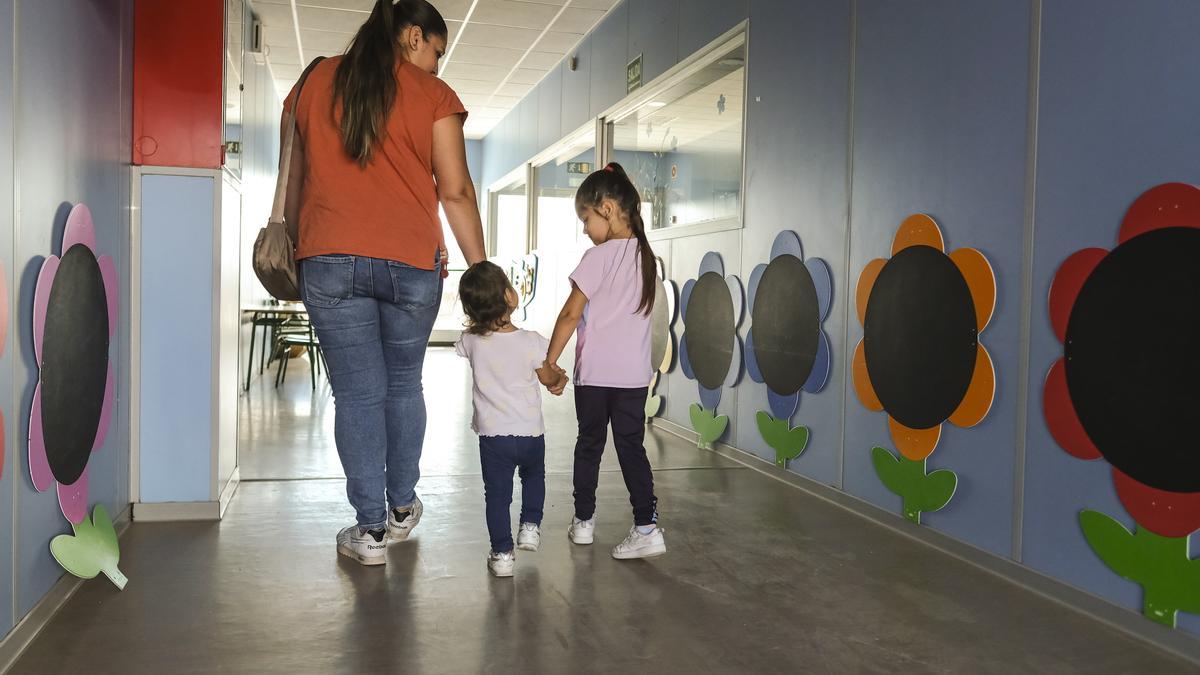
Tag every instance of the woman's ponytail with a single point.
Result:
(365, 81)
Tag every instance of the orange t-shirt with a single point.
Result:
(389, 209)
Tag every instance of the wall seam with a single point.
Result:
(1026, 315)
(846, 393)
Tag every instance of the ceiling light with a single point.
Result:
(656, 104)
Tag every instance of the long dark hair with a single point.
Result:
(483, 290)
(613, 183)
(365, 81)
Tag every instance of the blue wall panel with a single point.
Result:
(796, 163)
(610, 49)
(10, 465)
(703, 21)
(1113, 122)
(577, 88)
(654, 33)
(72, 112)
(940, 93)
(549, 110)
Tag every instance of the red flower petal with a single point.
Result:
(1067, 283)
(1169, 514)
(1167, 205)
(1060, 415)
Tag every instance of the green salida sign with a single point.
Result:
(633, 75)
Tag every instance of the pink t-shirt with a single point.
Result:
(612, 346)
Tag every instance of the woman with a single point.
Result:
(379, 144)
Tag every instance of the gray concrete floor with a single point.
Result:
(760, 577)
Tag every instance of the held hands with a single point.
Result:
(553, 377)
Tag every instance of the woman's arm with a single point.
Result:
(568, 321)
(455, 189)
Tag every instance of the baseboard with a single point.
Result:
(158, 512)
(22, 635)
(1174, 641)
(235, 479)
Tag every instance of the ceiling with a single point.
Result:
(498, 49)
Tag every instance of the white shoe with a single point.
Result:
(400, 524)
(529, 537)
(638, 545)
(501, 564)
(367, 547)
(582, 531)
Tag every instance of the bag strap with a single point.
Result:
(285, 156)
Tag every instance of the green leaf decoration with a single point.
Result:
(920, 491)
(1169, 578)
(653, 405)
(787, 442)
(92, 550)
(708, 425)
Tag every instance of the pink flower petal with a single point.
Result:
(39, 464)
(79, 229)
(73, 499)
(110, 389)
(108, 270)
(41, 301)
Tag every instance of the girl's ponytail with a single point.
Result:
(612, 182)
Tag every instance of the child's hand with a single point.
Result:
(558, 387)
(553, 378)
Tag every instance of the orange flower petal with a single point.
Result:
(982, 391)
(915, 444)
(862, 380)
(866, 282)
(980, 278)
(918, 230)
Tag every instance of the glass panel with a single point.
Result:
(511, 218)
(683, 149)
(235, 50)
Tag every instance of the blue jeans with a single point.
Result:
(499, 455)
(373, 318)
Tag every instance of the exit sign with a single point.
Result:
(633, 75)
(579, 167)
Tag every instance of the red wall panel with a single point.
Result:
(178, 52)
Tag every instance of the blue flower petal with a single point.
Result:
(712, 263)
(739, 300)
(783, 407)
(823, 281)
(735, 367)
(684, 296)
(683, 358)
(752, 360)
(821, 366)
(787, 243)
(752, 290)
(709, 398)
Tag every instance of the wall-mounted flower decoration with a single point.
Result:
(662, 336)
(1125, 390)
(711, 351)
(787, 348)
(74, 316)
(920, 359)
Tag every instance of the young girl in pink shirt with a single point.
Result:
(612, 295)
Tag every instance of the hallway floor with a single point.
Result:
(759, 577)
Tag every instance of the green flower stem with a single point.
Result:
(920, 492)
(787, 442)
(707, 425)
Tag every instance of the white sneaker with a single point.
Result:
(400, 524)
(367, 547)
(638, 545)
(582, 531)
(529, 537)
(501, 564)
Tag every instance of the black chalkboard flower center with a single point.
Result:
(74, 316)
(710, 350)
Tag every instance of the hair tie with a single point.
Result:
(608, 168)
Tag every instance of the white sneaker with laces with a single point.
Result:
(400, 524)
(638, 545)
(501, 564)
(367, 547)
(529, 537)
(582, 531)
